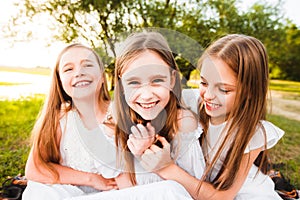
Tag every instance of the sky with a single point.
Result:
(38, 52)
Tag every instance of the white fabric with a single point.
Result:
(40, 191)
(163, 190)
(273, 134)
(75, 155)
(257, 185)
(186, 152)
(191, 98)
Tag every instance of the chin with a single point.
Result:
(148, 117)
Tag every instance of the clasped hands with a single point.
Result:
(141, 143)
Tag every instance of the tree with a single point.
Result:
(188, 25)
(288, 55)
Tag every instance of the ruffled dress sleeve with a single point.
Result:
(266, 136)
(187, 153)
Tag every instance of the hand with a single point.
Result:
(100, 183)
(141, 138)
(156, 158)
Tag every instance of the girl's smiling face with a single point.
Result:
(147, 82)
(80, 73)
(217, 88)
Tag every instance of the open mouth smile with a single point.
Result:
(212, 106)
(82, 83)
(148, 105)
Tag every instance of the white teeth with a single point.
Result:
(148, 105)
(213, 105)
(82, 83)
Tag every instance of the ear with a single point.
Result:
(173, 79)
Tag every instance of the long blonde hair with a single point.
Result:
(134, 45)
(45, 138)
(247, 57)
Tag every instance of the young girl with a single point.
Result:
(147, 102)
(233, 90)
(60, 164)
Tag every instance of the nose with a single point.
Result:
(79, 71)
(209, 93)
(146, 92)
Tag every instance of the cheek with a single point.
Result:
(64, 81)
(129, 95)
(201, 92)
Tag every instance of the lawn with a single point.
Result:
(17, 118)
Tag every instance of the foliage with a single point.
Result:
(287, 58)
(105, 23)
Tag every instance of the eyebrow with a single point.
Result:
(70, 63)
(86, 60)
(151, 77)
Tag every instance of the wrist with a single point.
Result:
(89, 180)
(167, 171)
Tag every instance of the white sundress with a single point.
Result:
(257, 185)
(76, 155)
(186, 152)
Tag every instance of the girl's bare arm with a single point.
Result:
(35, 171)
(207, 191)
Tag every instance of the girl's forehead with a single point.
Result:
(77, 53)
(146, 71)
(145, 58)
(216, 70)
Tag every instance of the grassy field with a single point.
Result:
(17, 118)
(292, 87)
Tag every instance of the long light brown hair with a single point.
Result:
(135, 45)
(247, 57)
(58, 102)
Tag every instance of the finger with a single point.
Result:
(163, 141)
(148, 158)
(131, 137)
(151, 129)
(136, 132)
(148, 151)
(154, 148)
(143, 131)
(109, 187)
(131, 145)
(111, 182)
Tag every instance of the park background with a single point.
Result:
(101, 24)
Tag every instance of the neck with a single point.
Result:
(90, 112)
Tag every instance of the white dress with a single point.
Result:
(257, 185)
(75, 154)
(186, 152)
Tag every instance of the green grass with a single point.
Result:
(286, 154)
(285, 86)
(17, 118)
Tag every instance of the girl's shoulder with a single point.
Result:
(187, 121)
(266, 136)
